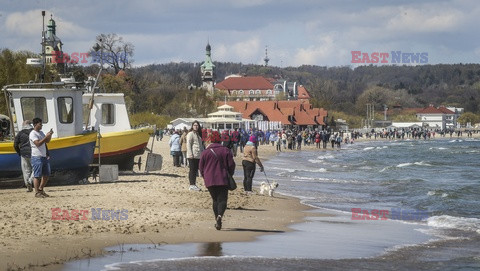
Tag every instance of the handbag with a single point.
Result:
(232, 185)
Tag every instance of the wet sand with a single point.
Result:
(160, 210)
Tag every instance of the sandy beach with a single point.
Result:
(160, 210)
(157, 208)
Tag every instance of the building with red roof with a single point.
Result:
(437, 117)
(293, 113)
(259, 88)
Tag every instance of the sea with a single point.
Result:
(377, 205)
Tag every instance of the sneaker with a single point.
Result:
(39, 195)
(218, 225)
(43, 193)
(29, 188)
(194, 188)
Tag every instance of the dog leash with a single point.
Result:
(266, 176)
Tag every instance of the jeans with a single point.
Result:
(184, 157)
(234, 149)
(248, 173)
(40, 166)
(176, 157)
(27, 170)
(192, 174)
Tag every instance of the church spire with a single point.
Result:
(208, 70)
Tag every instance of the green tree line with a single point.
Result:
(169, 90)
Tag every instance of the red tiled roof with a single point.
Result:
(287, 112)
(303, 93)
(446, 110)
(432, 110)
(245, 83)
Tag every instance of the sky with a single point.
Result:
(296, 32)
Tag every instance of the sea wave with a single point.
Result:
(314, 170)
(313, 161)
(282, 169)
(421, 163)
(323, 157)
(437, 193)
(452, 222)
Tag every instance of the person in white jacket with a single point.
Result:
(175, 150)
(194, 150)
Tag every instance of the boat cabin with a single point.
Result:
(109, 112)
(59, 105)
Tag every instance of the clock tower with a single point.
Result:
(208, 71)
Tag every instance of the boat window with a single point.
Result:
(65, 109)
(34, 107)
(108, 114)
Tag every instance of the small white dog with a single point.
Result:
(265, 187)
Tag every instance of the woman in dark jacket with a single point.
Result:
(214, 163)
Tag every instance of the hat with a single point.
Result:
(27, 124)
(252, 139)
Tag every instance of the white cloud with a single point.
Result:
(425, 19)
(29, 24)
(314, 55)
(300, 32)
(246, 49)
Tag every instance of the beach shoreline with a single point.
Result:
(160, 210)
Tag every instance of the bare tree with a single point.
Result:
(114, 51)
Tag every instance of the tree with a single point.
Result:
(376, 96)
(113, 51)
(468, 117)
(14, 70)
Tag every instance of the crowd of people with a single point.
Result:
(211, 152)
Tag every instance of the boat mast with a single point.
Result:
(42, 76)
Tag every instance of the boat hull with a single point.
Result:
(120, 148)
(69, 158)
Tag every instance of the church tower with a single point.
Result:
(53, 45)
(208, 71)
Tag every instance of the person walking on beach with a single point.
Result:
(214, 164)
(236, 141)
(194, 150)
(250, 158)
(24, 150)
(39, 159)
(279, 142)
(284, 140)
(299, 141)
(183, 144)
(175, 149)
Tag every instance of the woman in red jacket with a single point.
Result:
(214, 163)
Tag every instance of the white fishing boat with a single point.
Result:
(59, 105)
